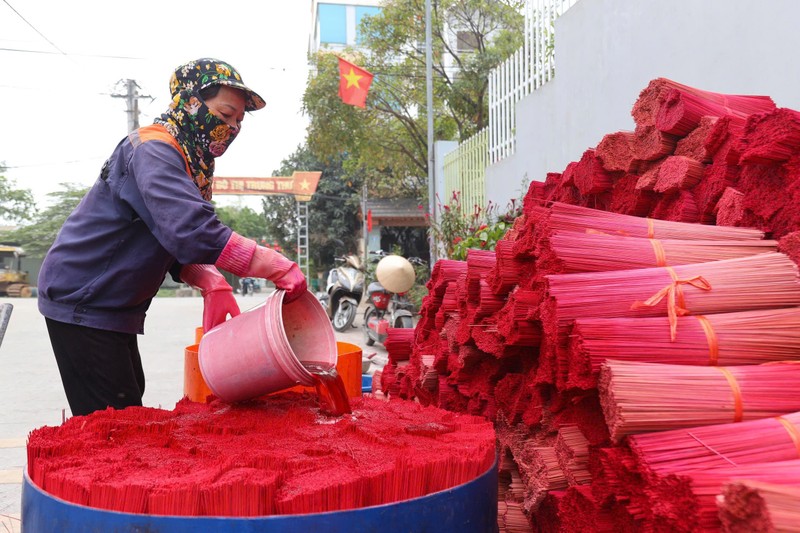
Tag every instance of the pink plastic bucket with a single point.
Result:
(264, 350)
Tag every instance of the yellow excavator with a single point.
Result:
(13, 280)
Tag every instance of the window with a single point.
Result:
(332, 23)
(467, 41)
(361, 12)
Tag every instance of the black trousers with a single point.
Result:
(98, 368)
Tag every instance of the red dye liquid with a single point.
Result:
(331, 392)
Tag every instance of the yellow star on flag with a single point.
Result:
(352, 79)
(304, 184)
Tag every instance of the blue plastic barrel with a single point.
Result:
(467, 508)
(366, 383)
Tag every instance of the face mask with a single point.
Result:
(221, 135)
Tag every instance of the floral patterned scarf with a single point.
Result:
(202, 135)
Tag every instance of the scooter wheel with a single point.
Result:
(367, 315)
(344, 316)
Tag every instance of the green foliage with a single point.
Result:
(16, 205)
(243, 221)
(458, 231)
(39, 236)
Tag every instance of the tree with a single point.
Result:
(16, 205)
(333, 220)
(386, 143)
(244, 221)
(38, 237)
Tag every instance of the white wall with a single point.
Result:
(607, 51)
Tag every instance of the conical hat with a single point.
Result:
(395, 273)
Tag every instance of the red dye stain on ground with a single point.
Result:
(275, 455)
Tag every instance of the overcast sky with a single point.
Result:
(61, 62)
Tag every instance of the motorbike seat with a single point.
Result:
(375, 287)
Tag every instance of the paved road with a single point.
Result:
(30, 388)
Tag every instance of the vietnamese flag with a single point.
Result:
(353, 83)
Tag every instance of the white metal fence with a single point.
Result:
(465, 171)
(528, 69)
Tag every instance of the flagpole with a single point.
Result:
(429, 103)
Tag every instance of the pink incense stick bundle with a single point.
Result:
(681, 110)
(724, 140)
(628, 199)
(704, 447)
(399, 343)
(614, 151)
(716, 178)
(488, 302)
(640, 397)
(651, 144)
(759, 507)
(593, 252)
(511, 517)
(727, 339)
(509, 268)
(773, 136)
(572, 452)
(645, 109)
(448, 305)
(690, 503)
(678, 207)
(647, 181)
(678, 172)
(443, 272)
(590, 176)
(575, 218)
(580, 512)
(694, 144)
(763, 281)
(541, 474)
(730, 208)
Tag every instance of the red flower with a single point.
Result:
(457, 240)
(483, 226)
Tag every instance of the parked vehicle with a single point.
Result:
(387, 309)
(344, 289)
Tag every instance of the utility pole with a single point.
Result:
(131, 96)
(429, 103)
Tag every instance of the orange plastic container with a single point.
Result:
(194, 386)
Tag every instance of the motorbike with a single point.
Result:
(386, 309)
(343, 291)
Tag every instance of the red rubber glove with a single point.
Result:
(244, 257)
(218, 300)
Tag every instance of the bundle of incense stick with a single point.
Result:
(758, 507)
(589, 175)
(488, 340)
(690, 503)
(487, 302)
(572, 452)
(641, 397)
(705, 447)
(728, 339)
(510, 501)
(681, 109)
(447, 306)
(616, 152)
(509, 268)
(399, 343)
(444, 271)
(771, 137)
(580, 512)
(271, 456)
(678, 172)
(592, 252)
(645, 109)
(544, 474)
(694, 145)
(568, 217)
(651, 144)
(762, 281)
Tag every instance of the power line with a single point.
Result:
(42, 35)
(45, 52)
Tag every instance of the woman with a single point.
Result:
(149, 213)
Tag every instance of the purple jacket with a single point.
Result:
(143, 217)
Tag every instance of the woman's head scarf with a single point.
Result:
(203, 135)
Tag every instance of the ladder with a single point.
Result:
(302, 238)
